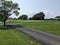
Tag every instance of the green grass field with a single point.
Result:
(51, 26)
(11, 36)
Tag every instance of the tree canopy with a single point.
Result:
(7, 8)
(57, 17)
(23, 17)
(38, 16)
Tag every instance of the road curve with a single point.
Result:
(43, 37)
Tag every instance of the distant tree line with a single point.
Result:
(55, 18)
(37, 16)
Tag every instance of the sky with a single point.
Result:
(51, 8)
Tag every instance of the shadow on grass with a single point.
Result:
(7, 27)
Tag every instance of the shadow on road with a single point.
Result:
(7, 27)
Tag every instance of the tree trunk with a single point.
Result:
(4, 23)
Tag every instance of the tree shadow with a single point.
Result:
(7, 27)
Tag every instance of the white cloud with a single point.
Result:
(46, 11)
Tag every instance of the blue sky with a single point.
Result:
(51, 8)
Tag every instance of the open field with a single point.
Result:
(10, 36)
(51, 26)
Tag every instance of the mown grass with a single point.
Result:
(51, 26)
(11, 36)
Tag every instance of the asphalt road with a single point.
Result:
(44, 37)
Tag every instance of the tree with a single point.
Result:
(39, 16)
(57, 17)
(7, 8)
(31, 18)
(51, 19)
(23, 17)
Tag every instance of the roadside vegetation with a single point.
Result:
(11, 36)
(51, 26)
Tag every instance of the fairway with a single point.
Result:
(11, 36)
(51, 26)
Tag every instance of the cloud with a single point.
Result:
(46, 11)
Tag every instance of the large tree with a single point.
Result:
(39, 16)
(7, 8)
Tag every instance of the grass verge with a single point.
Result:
(10, 36)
